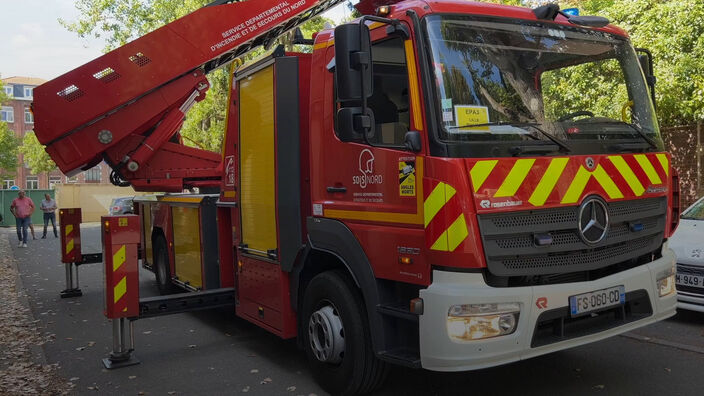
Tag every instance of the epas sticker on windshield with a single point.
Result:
(472, 118)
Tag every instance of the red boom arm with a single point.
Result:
(126, 105)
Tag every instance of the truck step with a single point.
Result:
(399, 310)
(402, 356)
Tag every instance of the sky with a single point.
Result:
(34, 44)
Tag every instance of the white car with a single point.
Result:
(688, 244)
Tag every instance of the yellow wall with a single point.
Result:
(93, 199)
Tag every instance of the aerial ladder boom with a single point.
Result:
(127, 106)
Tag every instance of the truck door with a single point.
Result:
(378, 181)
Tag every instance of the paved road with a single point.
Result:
(214, 353)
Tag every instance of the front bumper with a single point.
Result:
(440, 353)
(690, 301)
(690, 298)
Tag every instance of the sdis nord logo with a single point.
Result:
(366, 170)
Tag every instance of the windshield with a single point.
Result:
(694, 212)
(504, 85)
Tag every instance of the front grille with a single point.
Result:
(690, 269)
(510, 248)
(558, 325)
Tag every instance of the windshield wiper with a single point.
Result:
(638, 129)
(533, 125)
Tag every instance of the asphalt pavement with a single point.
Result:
(215, 353)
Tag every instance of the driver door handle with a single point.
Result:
(332, 189)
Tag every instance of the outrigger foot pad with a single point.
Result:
(69, 293)
(115, 363)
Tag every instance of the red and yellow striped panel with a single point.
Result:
(120, 287)
(512, 183)
(445, 224)
(69, 238)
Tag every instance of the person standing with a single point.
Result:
(48, 206)
(22, 208)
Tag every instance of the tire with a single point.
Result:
(162, 267)
(344, 365)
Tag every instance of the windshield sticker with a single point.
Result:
(472, 118)
(407, 178)
(447, 110)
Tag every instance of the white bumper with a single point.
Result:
(438, 352)
(690, 301)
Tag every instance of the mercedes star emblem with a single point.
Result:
(593, 221)
(590, 163)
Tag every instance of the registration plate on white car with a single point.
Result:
(597, 300)
(689, 280)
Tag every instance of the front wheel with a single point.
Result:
(336, 337)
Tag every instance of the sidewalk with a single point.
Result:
(23, 367)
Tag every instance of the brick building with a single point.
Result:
(15, 112)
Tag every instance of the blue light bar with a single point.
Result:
(571, 11)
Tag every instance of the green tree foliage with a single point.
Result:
(674, 31)
(34, 154)
(8, 150)
(120, 21)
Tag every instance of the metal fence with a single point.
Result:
(6, 197)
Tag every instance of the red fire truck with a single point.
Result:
(442, 184)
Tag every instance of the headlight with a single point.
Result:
(666, 282)
(478, 321)
(666, 286)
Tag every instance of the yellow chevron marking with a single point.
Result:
(69, 228)
(69, 246)
(480, 171)
(515, 178)
(648, 168)
(456, 233)
(441, 243)
(664, 162)
(577, 186)
(606, 183)
(118, 258)
(120, 289)
(434, 202)
(548, 181)
(627, 174)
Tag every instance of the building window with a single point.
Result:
(28, 92)
(7, 114)
(8, 183)
(72, 179)
(93, 175)
(28, 116)
(32, 182)
(8, 90)
(53, 181)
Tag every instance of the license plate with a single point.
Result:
(689, 280)
(597, 300)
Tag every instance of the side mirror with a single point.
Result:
(352, 122)
(353, 62)
(412, 141)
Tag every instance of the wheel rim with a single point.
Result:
(326, 335)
